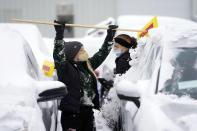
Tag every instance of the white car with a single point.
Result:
(163, 81)
(27, 94)
(23, 83)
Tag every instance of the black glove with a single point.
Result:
(110, 32)
(122, 63)
(106, 84)
(59, 30)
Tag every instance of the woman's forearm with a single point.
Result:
(58, 53)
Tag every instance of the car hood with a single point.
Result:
(166, 113)
(182, 111)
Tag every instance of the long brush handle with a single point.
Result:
(73, 25)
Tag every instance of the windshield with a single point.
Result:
(183, 80)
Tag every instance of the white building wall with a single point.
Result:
(194, 10)
(90, 11)
(94, 11)
(177, 8)
(29, 9)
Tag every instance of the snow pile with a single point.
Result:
(136, 53)
(101, 123)
(131, 88)
(110, 109)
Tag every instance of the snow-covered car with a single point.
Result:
(163, 81)
(25, 51)
(23, 83)
(143, 73)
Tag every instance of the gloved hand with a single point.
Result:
(110, 32)
(105, 83)
(59, 30)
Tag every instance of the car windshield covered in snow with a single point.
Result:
(183, 72)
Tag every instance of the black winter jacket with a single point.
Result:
(122, 63)
(69, 72)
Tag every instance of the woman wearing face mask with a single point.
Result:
(123, 43)
(76, 69)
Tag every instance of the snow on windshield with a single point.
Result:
(158, 46)
(184, 74)
(179, 61)
(147, 55)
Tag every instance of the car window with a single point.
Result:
(149, 58)
(31, 62)
(183, 79)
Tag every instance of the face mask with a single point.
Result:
(83, 57)
(118, 52)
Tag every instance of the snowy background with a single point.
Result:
(23, 51)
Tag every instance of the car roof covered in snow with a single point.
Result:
(139, 21)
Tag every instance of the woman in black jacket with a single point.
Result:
(123, 43)
(76, 70)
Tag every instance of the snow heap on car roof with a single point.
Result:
(138, 22)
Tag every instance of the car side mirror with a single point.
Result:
(131, 90)
(50, 90)
(127, 88)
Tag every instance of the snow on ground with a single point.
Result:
(101, 123)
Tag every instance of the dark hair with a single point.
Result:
(128, 39)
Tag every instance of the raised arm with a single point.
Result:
(105, 49)
(58, 52)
